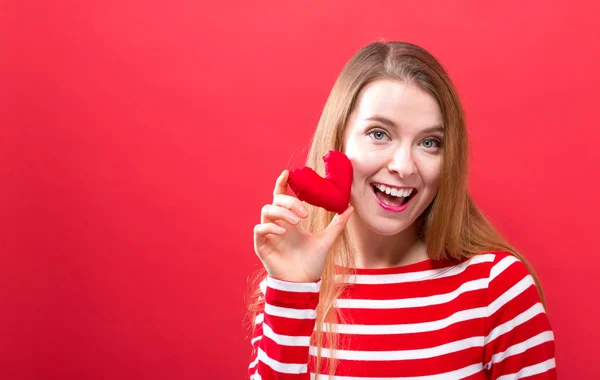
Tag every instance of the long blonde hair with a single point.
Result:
(452, 227)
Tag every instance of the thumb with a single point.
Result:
(337, 225)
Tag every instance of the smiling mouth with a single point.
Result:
(393, 198)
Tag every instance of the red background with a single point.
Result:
(140, 139)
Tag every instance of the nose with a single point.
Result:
(402, 163)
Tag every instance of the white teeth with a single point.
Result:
(393, 191)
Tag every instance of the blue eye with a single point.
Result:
(427, 143)
(377, 134)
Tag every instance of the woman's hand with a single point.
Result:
(285, 248)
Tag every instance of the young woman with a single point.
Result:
(411, 281)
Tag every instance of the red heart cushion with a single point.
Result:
(332, 192)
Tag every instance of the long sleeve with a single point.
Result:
(519, 340)
(281, 339)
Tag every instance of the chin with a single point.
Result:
(391, 229)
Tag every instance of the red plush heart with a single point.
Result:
(332, 192)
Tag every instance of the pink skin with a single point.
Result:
(403, 153)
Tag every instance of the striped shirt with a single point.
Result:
(480, 318)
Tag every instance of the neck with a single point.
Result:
(372, 250)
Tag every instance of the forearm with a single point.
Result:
(282, 335)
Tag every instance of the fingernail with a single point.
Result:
(303, 211)
(295, 219)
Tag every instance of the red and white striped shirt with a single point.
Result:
(434, 320)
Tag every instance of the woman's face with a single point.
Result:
(394, 140)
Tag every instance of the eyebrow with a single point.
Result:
(389, 123)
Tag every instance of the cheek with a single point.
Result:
(364, 166)
(364, 161)
(430, 171)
